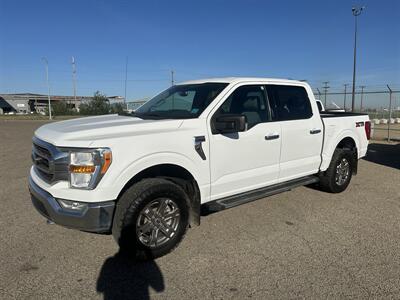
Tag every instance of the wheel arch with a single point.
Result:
(346, 140)
(178, 175)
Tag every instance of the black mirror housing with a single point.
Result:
(230, 123)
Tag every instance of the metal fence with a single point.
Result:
(382, 106)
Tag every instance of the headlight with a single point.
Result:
(86, 168)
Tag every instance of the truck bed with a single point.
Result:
(338, 114)
(338, 125)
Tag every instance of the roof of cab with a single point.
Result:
(240, 79)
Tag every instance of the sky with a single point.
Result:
(311, 40)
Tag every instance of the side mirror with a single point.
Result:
(320, 106)
(230, 123)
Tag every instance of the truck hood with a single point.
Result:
(82, 132)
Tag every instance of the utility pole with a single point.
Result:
(325, 87)
(48, 85)
(74, 80)
(362, 97)
(319, 94)
(345, 95)
(390, 112)
(172, 77)
(126, 81)
(356, 12)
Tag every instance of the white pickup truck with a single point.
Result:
(198, 147)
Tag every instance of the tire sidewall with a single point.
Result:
(132, 203)
(348, 155)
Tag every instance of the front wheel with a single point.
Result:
(338, 175)
(151, 218)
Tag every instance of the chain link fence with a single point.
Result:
(382, 106)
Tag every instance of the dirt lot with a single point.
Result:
(299, 244)
(381, 132)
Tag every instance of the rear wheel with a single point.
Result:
(338, 175)
(151, 218)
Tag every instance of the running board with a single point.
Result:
(250, 196)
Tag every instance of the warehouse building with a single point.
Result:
(27, 103)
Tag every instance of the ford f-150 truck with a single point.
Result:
(198, 147)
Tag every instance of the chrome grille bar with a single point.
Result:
(51, 164)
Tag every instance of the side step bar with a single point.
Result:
(250, 196)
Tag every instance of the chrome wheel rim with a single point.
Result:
(158, 222)
(342, 172)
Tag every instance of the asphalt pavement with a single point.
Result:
(299, 244)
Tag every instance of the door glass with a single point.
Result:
(289, 102)
(247, 100)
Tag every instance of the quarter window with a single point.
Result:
(289, 103)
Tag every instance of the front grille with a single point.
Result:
(42, 158)
(42, 151)
(50, 163)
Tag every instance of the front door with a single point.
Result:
(247, 160)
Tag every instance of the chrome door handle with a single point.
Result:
(272, 136)
(315, 131)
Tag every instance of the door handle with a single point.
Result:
(315, 131)
(272, 136)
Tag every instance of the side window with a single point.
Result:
(247, 100)
(289, 102)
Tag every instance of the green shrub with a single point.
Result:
(99, 105)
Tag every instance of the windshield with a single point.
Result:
(181, 101)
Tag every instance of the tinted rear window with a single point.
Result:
(289, 102)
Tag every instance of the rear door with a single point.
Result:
(302, 132)
(244, 161)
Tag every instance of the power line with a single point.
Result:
(172, 78)
(325, 87)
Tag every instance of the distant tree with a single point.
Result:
(60, 108)
(99, 105)
(117, 108)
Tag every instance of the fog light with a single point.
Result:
(72, 206)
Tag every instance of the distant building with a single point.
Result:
(27, 103)
(135, 104)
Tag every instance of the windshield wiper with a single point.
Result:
(130, 114)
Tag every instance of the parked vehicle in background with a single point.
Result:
(207, 144)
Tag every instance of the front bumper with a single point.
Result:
(97, 217)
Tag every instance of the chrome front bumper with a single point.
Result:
(97, 217)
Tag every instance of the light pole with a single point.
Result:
(356, 12)
(345, 95)
(126, 81)
(48, 85)
(74, 80)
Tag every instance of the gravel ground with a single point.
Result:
(299, 244)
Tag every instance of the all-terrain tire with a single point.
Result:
(329, 179)
(129, 207)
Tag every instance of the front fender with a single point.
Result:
(154, 159)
